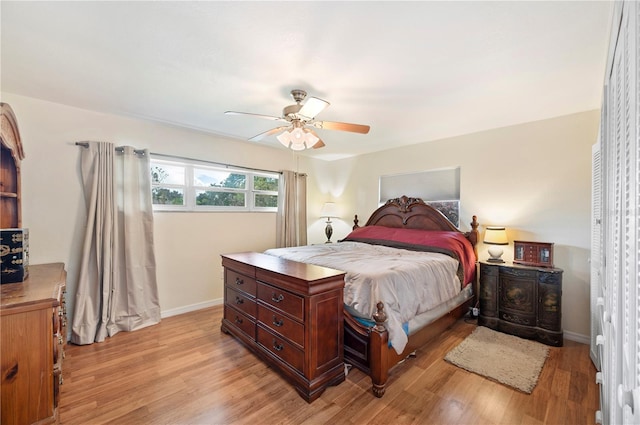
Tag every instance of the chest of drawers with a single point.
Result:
(33, 329)
(290, 315)
(523, 301)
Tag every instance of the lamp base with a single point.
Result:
(328, 231)
(495, 260)
(495, 254)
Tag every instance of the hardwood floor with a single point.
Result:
(185, 371)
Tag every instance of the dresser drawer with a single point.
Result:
(281, 324)
(488, 271)
(281, 348)
(240, 321)
(513, 273)
(550, 278)
(518, 319)
(283, 301)
(240, 282)
(240, 301)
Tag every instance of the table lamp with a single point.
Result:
(329, 210)
(495, 235)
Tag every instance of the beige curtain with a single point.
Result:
(291, 221)
(117, 288)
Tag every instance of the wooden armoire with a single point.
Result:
(11, 157)
(33, 324)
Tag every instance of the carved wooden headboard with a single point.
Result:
(413, 213)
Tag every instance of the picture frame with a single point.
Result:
(536, 254)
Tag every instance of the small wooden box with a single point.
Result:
(533, 253)
(14, 255)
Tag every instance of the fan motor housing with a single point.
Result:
(298, 95)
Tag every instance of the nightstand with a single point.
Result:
(522, 300)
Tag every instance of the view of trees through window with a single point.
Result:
(212, 187)
(163, 195)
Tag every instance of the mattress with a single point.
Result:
(409, 283)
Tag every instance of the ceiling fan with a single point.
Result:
(298, 133)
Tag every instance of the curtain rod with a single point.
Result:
(119, 149)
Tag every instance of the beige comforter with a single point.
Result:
(407, 282)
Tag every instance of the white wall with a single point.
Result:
(534, 178)
(188, 246)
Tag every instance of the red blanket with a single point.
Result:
(453, 244)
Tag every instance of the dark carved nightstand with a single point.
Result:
(522, 301)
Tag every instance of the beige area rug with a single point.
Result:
(504, 358)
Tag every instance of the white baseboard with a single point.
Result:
(190, 308)
(572, 336)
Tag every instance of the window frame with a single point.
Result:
(190, 189)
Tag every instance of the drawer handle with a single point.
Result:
(239, 300)
(276, 346)
(277, 322)
(277, 299)
(239, 281)
(239, 320)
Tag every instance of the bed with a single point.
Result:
(409, 243)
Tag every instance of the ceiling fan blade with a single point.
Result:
(267, 133)
(312, 107)
(342, 126)
(268, 117)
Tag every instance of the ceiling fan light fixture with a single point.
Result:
(284, 138)
(298, 146)
(297, 136)
(310, 138)
(298, 139)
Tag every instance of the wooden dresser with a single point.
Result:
(290, 315)
(522, 300)
(33, 338)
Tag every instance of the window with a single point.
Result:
(438, 188)
(182, 185)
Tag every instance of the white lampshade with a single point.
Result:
(495, 235)
(284, 138)
(329, 210)
(297, 136)
(297, 146)
(310, 138)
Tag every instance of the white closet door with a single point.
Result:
(620, 150)
(629, 328)
(597, 293)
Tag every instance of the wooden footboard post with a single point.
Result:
(474, 235)
(379, 352)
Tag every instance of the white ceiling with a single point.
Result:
(414, 71)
